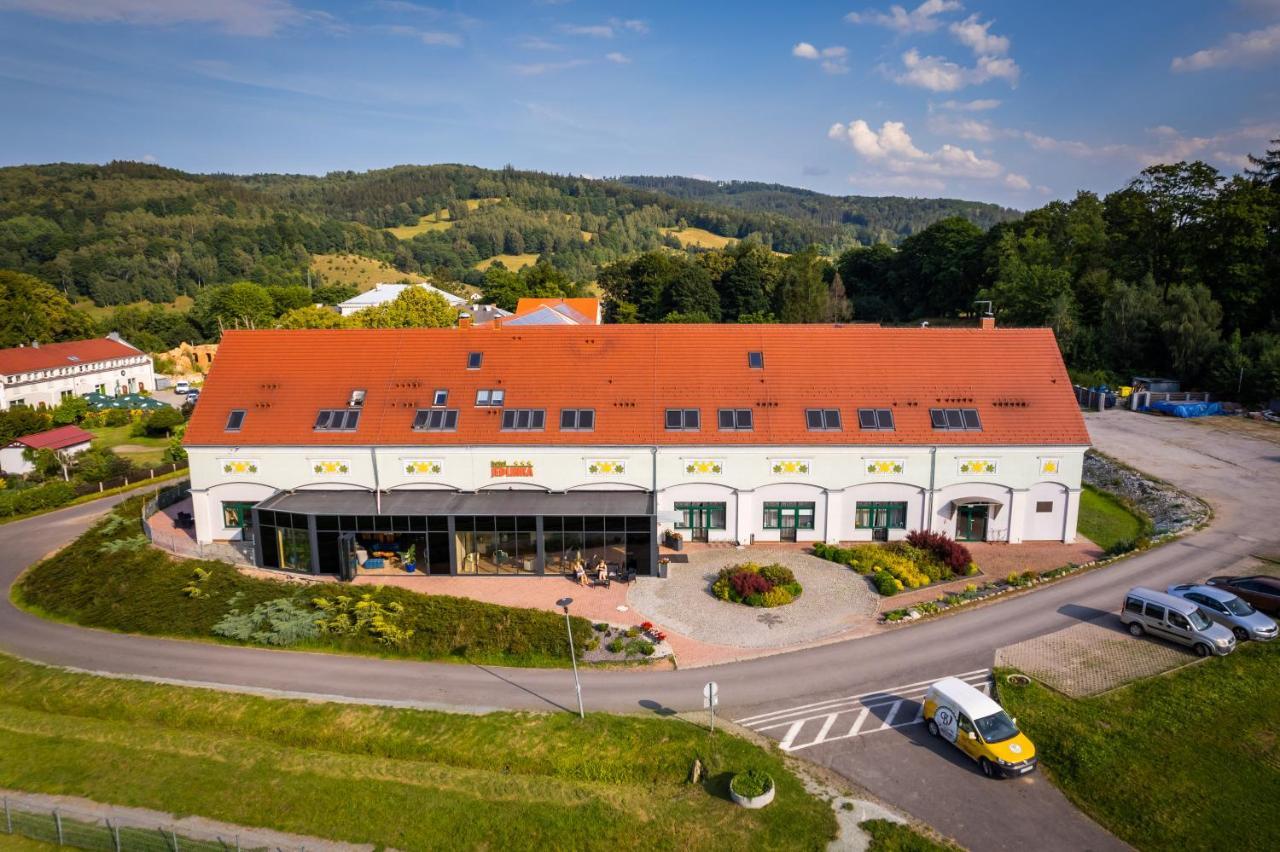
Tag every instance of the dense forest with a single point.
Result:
(868, 219)
(1175, 273)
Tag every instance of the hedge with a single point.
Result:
(51, 495)
(112, 578)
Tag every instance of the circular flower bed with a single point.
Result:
(751, 789)
(755, 585)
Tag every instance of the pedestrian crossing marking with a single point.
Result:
(897, 707)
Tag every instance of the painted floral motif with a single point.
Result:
(977, 466)
(239, 466)
(421, 467)
(330, 467)
(799, 466)
(1049, 467)
(885, 467)
(516, 468)
(606, 467)
(710, 466)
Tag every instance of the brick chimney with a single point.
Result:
(464, 320)
(988, 321)
(497, 323)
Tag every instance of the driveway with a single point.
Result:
(1240, 476)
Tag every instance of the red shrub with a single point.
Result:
(953, 554)
(746, 584)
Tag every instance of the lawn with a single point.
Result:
(1189, 760)
(888, 836)
(143, 451)
(699, 237)
(514, 262)
(402, 778)
(100, 312)
(358, 271)
(1106, 521)
(110, 577)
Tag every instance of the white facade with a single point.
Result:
(47, 387)
(12, 459)
(1022, 493)
(383, 293)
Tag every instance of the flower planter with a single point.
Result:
(753, 802)
(410, 567)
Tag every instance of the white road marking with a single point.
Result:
(888, 704)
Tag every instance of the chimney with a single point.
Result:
(35, 344)
(497, 323)
(988, 321)
(464, 320)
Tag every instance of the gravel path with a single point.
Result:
(835, 599)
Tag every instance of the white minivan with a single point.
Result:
(181, 387)
(1176, 619)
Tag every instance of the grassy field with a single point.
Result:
(514, 262)
(358, 271)
(182, 303)
(143, 451)
(699, 237)
(402, 778)
(441, 220)
(887, 836)
(1189, 760)
(1106, 521)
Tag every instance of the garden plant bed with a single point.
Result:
(921, 560)
(613, 643)
(750, 584)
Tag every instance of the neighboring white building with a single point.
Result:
(66, 441)
(43, 374)
(384, 293)
(505, 450)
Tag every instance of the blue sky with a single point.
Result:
(1013, 102)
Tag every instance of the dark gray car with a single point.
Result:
(1230, 611)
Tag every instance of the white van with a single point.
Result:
(181, 387)
(1176, 619)
(979, 727)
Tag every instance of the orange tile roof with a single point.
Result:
(589, 308)
(46, 356)
(630, 373)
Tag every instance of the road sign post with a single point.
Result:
(710, 698)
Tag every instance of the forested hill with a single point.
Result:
(125, 232)
(872, 219)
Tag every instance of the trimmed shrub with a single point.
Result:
(750, 584)
(779, 575)
(885, 583)
(777, 596)
(47, 496)
(751, 783)
(949, 552)
(746, 584)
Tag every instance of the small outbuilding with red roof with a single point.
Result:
(65, 440)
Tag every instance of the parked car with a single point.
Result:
(1175, 619)
(1261, 591)
(979, 727)
(181, 387)
(1231, 612)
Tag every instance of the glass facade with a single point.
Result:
(881, 516)
(788, 515)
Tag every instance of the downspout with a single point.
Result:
(377, 487)
(933, 470)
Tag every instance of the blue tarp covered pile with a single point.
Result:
(1188, 409)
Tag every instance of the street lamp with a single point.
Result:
(577, 684)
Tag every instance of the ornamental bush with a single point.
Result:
(754, 585)
(885, 583)
(747, 583)
(751, 783)
(779, 575)
(949, 552)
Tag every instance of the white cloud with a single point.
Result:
(938, 74)
(237, 17)
(1227, 148)
(616, 57)
(607, 30)
(1236, 49)
(979, 105)
(892, 151)
(922, 19)
(636, 26)
(976, 35)
(965, 128)
(535, 69)
(150, 158)
(537, 43)
(834, 60)
(441, 39)
(1016, 181)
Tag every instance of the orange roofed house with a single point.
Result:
(517, 450)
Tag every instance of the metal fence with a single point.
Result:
(80, 828)
(184, 544)
(130, 478)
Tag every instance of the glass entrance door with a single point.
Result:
(347, 559)
(971, 522)
(700, 518)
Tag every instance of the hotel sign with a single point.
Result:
(498, 468)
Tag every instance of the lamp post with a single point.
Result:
(577, 684)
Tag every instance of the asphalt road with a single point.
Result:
(1239, 476)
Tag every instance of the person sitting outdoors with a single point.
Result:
(602, 572)
(579, 573)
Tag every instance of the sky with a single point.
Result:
(1010, 102)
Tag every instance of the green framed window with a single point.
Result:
(709, 516)
(788, 516)
(235, 515)
(869, 516)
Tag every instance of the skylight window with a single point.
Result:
(955, 419)
(735, 420)
(337, 420)
(822, 419)
(577, 419)
(440, 397)
(492, 397)
(474, 360)
(683, 420)
(524, 419)
(436, 420)
(235, 419)
(875, 419)
(755, 360)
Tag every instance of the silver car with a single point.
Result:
(1230, 611)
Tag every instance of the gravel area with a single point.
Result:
(835, 599)
(1170, 510)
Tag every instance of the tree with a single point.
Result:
(746, 287)
(415, 307)
(287, 298)
(839, 308)
(501, 287)
(22, 420)
(313, 317)
(1266, 169)
(162, 421)
(867, 275)
(801, 294)
(240, 305)
(936, 271)
(333, 294)
(1192, 330)
(70, 410)
(98, 464)
(31, 310)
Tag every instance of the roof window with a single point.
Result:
(875, 419)
(235, 419)
(337, 420)
(492, 397)
(955, 419)
(683, 420)
(735, 420)
(435, 420)
(440, 397)
(524, 419)
(474, 360)
(822, 419)
(755, 360)
(577, 419)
